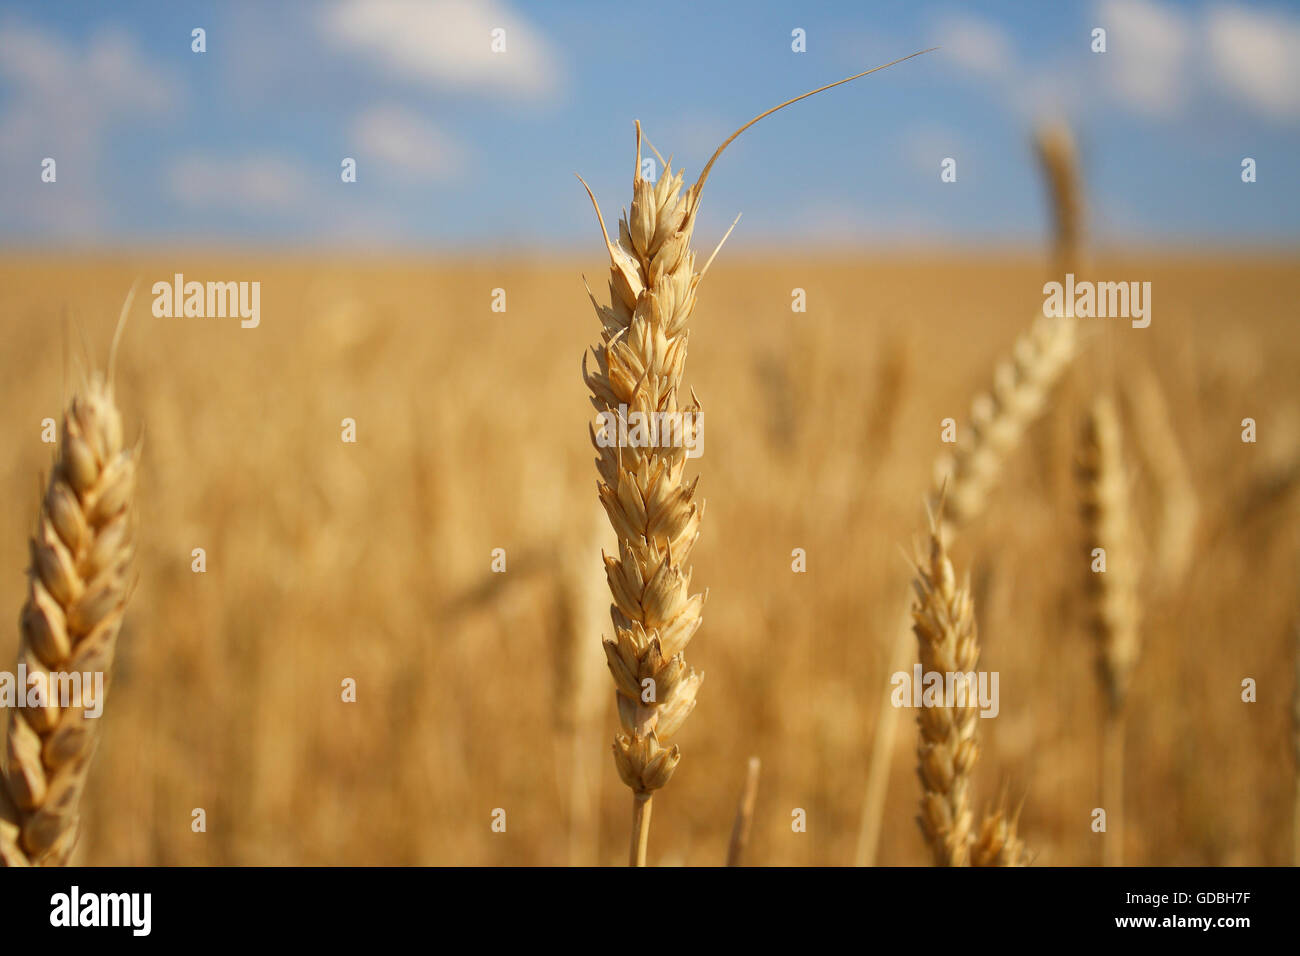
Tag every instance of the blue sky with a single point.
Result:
(458, 147)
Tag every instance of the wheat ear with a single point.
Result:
(998, 418)
(639, 370)
(967, 476)
(1112, 594)
(964, 480)
(998, 843)
(1022, 383)
(78, 584)
(1059, 160)
(943, 616)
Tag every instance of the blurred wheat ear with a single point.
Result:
(998, 843)
(639, 370)
(966, 478)
(1113, 597)
(78, 584)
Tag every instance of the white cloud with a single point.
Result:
(974, 44)
(1148, 47)
(247, 183)
(1256, 54)
(926, 146)
(60, 100)
(446, 43)
(405, 141)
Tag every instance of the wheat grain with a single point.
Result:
(639, 374)
(77, 589)
(944, 621)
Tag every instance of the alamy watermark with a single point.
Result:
(84, 689)
(1102, 300)
(946, 689)
(211, 300)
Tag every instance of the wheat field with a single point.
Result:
(479, 691)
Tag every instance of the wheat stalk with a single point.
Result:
(583, 600)
(78, 585)
(639, 370)
(1112, 593)
(1295, 745)
(944, 621)
(744, 821)
(1165, 465)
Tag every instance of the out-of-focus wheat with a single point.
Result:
(1112, 593)
(1059, 159)
(1295, 747)
(998, 419)
(998, 843)
(579, 687)
(1103, 490)
(744, 814)
(965, 477)
(77, 590)
(1164, 464)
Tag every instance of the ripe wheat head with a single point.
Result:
(640, 362)
(78, 585)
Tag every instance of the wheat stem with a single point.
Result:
(1295, 746)
(1112, 782)
(744, 815)
(641, 806)
(882, 749)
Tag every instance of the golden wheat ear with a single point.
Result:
(943, 617)
(640, 364)
(77, 588)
